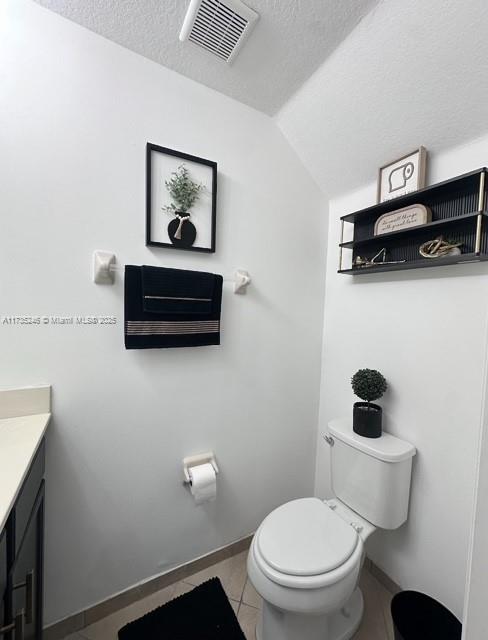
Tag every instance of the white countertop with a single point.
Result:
(19, 440)
(20, 437)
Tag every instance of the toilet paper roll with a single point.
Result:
(203, 482)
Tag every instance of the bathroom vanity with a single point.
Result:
(24, 416)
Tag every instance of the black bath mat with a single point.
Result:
(204, 613)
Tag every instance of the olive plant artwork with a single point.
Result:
(181, 199)
(184, 193)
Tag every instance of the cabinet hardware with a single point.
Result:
(17, 626)
(28, 584)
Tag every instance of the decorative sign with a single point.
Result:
(413, 216)
(402, 176)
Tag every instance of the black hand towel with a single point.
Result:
(171, 308)
(177, 291)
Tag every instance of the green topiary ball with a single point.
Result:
(368, 384)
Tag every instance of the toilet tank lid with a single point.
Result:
(387, 448)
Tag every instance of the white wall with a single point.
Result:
(474, 626)
(477, 584)
(76, 113)
(426, 332)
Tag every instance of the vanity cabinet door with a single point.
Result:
(3, 574)
(25, 580)
(28, 494)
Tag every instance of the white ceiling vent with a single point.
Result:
(219, 27)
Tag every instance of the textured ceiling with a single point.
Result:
(411, 73)
(291, 39)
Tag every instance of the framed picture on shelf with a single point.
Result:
(181, 200)
(402, 176)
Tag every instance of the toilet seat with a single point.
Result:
(305, 538)
(303, 544)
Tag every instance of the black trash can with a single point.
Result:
(420, 617)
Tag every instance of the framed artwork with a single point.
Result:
(402, 176)
(181, 200)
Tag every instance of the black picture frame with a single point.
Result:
(154, 148)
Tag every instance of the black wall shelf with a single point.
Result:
(458, 212)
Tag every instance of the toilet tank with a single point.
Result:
(371, 475)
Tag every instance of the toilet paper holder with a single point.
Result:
(194, 461)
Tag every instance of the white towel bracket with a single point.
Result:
(104, 269)
(241, 280)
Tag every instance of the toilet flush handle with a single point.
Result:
(329, 440)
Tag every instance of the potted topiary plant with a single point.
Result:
(368, 384)
(184, 192)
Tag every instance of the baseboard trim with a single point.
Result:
(79, 621)
(384, 579)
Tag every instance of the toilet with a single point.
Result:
(306, 556)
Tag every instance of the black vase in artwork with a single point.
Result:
(181, 230)
(367, 419)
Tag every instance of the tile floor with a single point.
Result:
(246, 602)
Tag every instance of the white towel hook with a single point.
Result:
(242, 280)
(104, 269)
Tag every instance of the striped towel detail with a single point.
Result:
(162, 328)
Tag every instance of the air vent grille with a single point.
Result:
(218, 27)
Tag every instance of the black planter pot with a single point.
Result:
(367, 419)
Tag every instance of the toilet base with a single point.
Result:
(275, 624)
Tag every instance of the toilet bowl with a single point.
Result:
(306, 556)
(305, 561)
